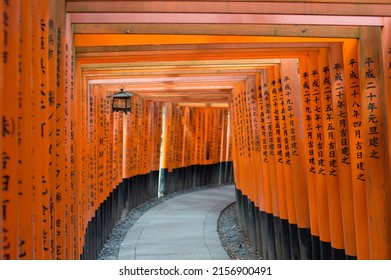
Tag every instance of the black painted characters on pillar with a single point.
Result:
(290, 115)
(340, 110)
(355, 105)
(308, 122)
(372, 107)
(329, 123)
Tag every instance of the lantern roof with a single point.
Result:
(121, 94)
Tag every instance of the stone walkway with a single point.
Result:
(181, 228)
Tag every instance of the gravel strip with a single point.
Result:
(231, 236)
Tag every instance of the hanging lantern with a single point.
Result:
(122, 101)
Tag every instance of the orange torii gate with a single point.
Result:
(331, 114)
(309, 133)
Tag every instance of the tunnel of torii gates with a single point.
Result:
(285, 99)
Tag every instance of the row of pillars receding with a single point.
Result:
(311, 152)
(310, 145)
(71, 168)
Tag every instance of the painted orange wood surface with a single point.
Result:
(307, 126)
(25, 189)
(285, 143)
(342, 213)
(386, 40)
(265, 183)
(293, 102)
(377, 156)
(235, 138)
(1, 138)
(256, 158)
(358, 165)
(259, 140)
(270, 137)
(308, 129)
(334, 88)
(10, 131)
(278, 133)
(316, 145)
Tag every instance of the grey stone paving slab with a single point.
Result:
(184, 227)
(175, 257)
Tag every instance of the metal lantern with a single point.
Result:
(122, 101)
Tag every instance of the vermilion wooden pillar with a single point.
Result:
(69, 111)
(252, 113)
(356, 136)
(275, 106)
(376, 141)
(10, 129)
(317, 157)
(264, 189)
(37, 151)
(267, 166)
(309, 150)
(79, 99)
(45, 129)
(60, 138)
(50, 124)
(293, 114)
(284, 148)
(25, 175)
(258, 144)
(329, 163)
(342, 203)
(234, 136)
(239, 117)
(56, 120)
(274, 169)
(386, 40)
(1, 139)
(260, 191)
